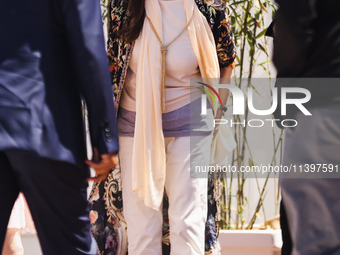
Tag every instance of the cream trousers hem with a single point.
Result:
(187, 201)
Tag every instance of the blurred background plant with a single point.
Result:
(250, 20)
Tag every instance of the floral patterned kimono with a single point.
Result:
(108, 224)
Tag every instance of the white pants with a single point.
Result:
(187, 201)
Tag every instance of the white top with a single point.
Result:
(181, 62)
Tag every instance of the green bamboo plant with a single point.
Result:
(247, 18)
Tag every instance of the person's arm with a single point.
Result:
(226, 53)
(84, 30)
(226, 74)
(293, 36)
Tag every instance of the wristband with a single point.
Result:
(223, 108)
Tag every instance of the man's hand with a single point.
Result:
(102, 166)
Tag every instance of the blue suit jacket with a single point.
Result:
(52, 55)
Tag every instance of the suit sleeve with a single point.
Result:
(84, 28)
(293, 36)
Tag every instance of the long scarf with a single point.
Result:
(149, 156)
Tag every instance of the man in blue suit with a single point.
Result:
(307, 45)
(52, 56)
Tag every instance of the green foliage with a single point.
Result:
(249, 30)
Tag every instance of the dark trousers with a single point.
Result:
(286, 239)
(56, 194)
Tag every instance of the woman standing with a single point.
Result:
(156, 47)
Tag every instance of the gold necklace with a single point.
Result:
(164, 50)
